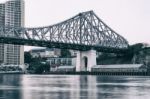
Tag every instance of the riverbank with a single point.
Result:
(11, 72)
(83, 73)
(101, 73)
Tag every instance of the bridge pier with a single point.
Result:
(85, 60)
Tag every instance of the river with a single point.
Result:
(14, 86)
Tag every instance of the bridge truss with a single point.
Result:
(84, 31)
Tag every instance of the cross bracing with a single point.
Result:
(84, 31)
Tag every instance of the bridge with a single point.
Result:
(84, 32)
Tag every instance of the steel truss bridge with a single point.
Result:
(83, 32)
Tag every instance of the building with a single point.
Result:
(66, 69)
(120, 68)
(2, 24)
(59, 61)
(45, 52)
(2, 15)
(73, 53)
(12, 15)
(61, 64)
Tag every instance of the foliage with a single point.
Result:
(65, 53)
(37, 64)
(136, 48)
(38, 67)
(113, 58)
(27, 57)
(136, 53)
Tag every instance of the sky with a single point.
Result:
(129, 18)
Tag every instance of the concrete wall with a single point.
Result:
(80, 60)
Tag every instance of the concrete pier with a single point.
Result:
(85, 60)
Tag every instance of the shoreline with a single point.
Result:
(11, 72)
(101, 73)
(83, 73)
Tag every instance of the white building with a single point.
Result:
(12, 15)
(45, 52)
(120, 68)
(61, 64)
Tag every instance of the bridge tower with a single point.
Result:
(85, 60)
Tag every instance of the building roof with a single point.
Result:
(119, 66)
(41, 50)
(66, 67)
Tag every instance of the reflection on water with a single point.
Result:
(9, 87)
(73, 87)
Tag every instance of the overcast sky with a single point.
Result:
(129, 18)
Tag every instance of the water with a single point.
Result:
(74, 87)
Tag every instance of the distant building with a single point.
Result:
(120, 68)
(58, 64)
(66, 69)
(12, 15)
(59, 61)
(73, 53)
(45, 52)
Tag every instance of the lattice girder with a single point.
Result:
(84, 29)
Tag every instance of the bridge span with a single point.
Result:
(84, 32)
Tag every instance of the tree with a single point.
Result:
(27, 57)
(39, 67)
(35, 64)
(65, 53)
(136, 48)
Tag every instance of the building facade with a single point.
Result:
(2, 24)
(120, 68)
(61, 64)
(45, 52)
(12, 15)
